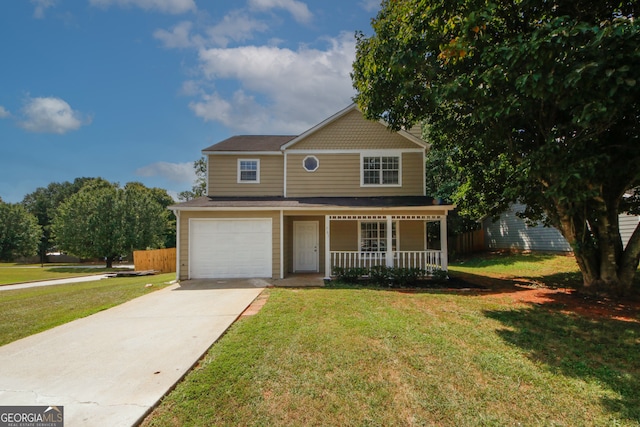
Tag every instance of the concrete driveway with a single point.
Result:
(110, 368)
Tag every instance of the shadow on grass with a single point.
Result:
(554, 292)
(499, 258)
(603, 351)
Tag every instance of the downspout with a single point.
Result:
(207, 178)
(281, 244)
(284, 184)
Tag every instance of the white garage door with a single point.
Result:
(227, 248)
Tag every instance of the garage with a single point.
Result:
(230, 248)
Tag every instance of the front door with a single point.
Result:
(305, 246)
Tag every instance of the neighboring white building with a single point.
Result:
(511, 232)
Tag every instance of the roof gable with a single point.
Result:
(345, 130)
(348, 129)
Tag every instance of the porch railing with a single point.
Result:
(429, 260)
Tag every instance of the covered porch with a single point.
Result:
(322, 243)
(404, 241)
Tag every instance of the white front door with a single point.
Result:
(305, 246)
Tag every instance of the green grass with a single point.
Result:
(547, 269)
(24, 312)
(367, 357)
(18, 273)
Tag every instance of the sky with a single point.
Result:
(133, 90)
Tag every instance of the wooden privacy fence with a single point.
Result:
(162, 260)
(466, 243)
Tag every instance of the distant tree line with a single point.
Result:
(89, 218)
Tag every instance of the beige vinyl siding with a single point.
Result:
(353, 131)
(184, 235)
(339, 175)
(344, 236)
(412, 235)
(223, 176)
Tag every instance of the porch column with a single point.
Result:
(389, 260)
(443, 243)
(327, 247)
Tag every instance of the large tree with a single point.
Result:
(539, 101)
(162, 197)
(104, 220)
(19, 232)
(43, 203)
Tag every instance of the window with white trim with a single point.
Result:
(310, 163)
(380, 170)
(373, 236)
(249, 171)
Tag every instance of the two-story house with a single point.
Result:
(347, 192)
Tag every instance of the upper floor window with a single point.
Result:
(248, 171)
(310, 163)
(381, 170)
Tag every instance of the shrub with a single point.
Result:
(349, 275)
(440, 275)
(405, 276)
(380, 275)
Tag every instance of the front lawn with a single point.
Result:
(546, 269)
(24, 312)
(18, 273)
(357, 356)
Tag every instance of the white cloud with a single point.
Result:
(174, 7)
(301, 87)
(51, 115)
(4, 113)
(237, 26)
(370, 5)
(178, 37)
(176, 172)
(41, 6)
(190, 88)
(297, 9)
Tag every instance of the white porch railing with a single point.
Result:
(429, 260)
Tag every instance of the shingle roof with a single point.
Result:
(251, 143)
(308, 202)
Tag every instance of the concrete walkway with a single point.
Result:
(111, 368)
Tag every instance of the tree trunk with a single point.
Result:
(604, 264)
(109, 261)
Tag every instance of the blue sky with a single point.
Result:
(133, 90)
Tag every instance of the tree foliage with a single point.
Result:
(199, 187)
(104, 220)
(537, 100)
(19, 232)
(43, 203)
